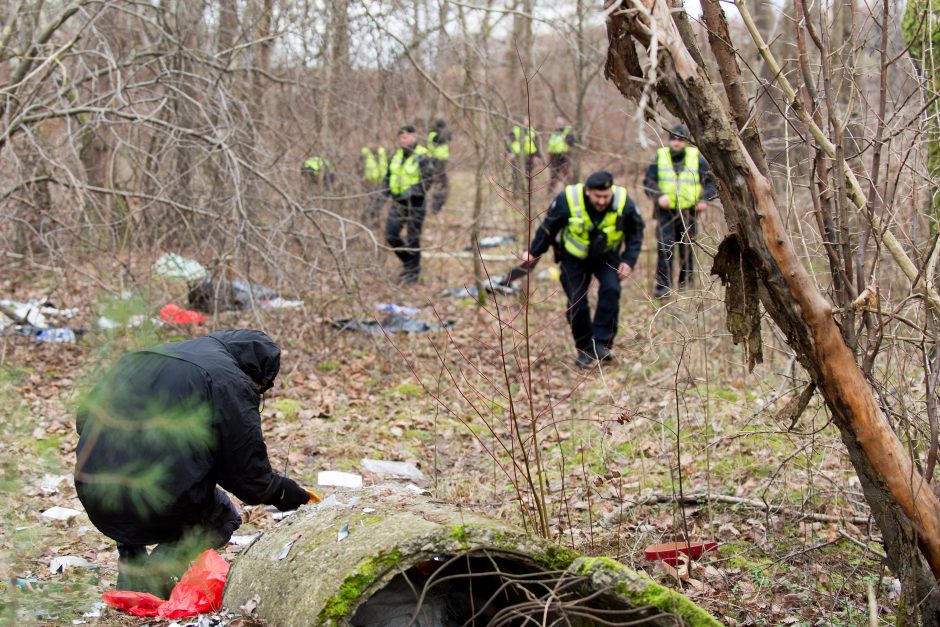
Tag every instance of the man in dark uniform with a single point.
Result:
(439, 151)
(157, 435)
(601, 235)
(678, 182)
(410, 172)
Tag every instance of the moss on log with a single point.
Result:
(307, 571)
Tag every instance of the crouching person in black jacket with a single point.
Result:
(159, 433)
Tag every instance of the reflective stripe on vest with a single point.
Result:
(577, 235)
(684, 188)
(440, 152)
(376, 165)
(403, 173)
(315, 164)
(557, 141)
(517, 142)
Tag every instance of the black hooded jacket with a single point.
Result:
(166, 425)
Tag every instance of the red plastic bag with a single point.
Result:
(174, 314)
(198, 591)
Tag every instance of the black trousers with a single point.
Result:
(441, 186)
(158, 571)
(409, 216)
(675, 231)
(560, 166)
(575, 279)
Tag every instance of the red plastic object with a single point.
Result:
(198, 591)
(174, 314)
(670, 551)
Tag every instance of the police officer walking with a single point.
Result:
(601, 235)
(439, 150)
(522, 152)
(410, 171)
(679, 183)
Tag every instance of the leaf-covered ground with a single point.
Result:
(675, 414)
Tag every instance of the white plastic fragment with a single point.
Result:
(95, 611)
(60, 514)
(63, 562)
(50, 483)
(339, 479)
(415, 489)
(368, 510)
(343, 533)
(404, 470)
(243, 540)
(286, 550)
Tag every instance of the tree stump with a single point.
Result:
(386, 556)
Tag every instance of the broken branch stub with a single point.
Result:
(406, 556)
(742, 302)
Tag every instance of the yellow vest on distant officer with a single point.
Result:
(402, 172)
(315, 164)
(376, 165)
(684, 189)
(520, 144)
(577, 235)
(557, 141)
(440, 152)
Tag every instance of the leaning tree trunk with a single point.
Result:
(760, 251)
(380, 556)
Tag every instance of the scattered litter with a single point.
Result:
(397, 310)
(64, 335)
(213, 294)
(173, 266)
(286, 550)
(339, 479)
(243, 540)
(415, 489)
(552, 272)
(95, 611)
(368, 510)
(493, 241)
(63, 562)
(133, 322)
(282, 515)
(331, 502)
(280, 303)
(61, 514)
(26, 584)
(343, 533)
(675, 552)
(405, 470)
(50, 483)
(391, 324)
(174, 314)
(471, 291)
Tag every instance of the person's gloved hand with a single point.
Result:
(406, 194)
(289, 495)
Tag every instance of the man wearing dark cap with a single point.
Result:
(410, 172)
(679, 183)
(158, 435)
(596, 231)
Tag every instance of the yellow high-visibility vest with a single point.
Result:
(577, 235)
(441, 152)
(376, 165)
(557, 141)
(684, 189)
(527, 144)
(404, 172)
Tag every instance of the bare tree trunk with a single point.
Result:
(903, 504)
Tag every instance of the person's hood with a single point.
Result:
(256, 354)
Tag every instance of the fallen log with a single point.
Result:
(385, 556)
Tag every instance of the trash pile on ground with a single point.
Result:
(32, 319)
(390, 324)
(209, 293)
(493, 241)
